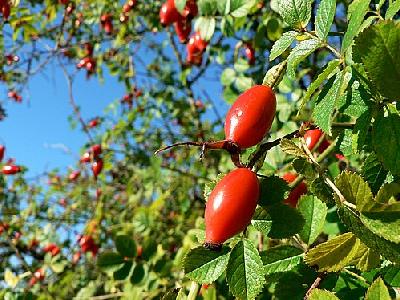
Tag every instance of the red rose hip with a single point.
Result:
(251, 116)
(231, 206)
(297, 192)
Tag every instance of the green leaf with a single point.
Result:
(261, 220)
(205, 266)
(326, 103)
(206, 27)
(391, 274)
(272, 190)
(388, 193)
(377, 48)
(304, 167)
(286, 221)
(296, 13)
(365, 258)
(317, 294)
(328, 71)
(180, 5)
(207, 7)
(123, 273)
(325, 14)
(244, 273)
(138, 274)
(228, 76)
(314, 213)
(373, 172)
(386, 224)
(357, 11)
(243, 10)
(110, 261)
(299, 53)
(354, 189)
(291, 148)
(380, 245)
(320, 189)
(335, 254)
(385, 133)
(282, 258)
(394, 7)
(125, 245)
(282, 44)
(378, 291)
(243, 83)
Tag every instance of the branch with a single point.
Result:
(315, 284)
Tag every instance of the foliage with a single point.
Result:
(333, 65)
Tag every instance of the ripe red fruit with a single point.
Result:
(97, 166)
(106, 23)
(52, 248)
(11, 169)
(182, 29)
(296, 193)
(2, 150)
(63, 2)
(87, 244)
(312, 137)
(139, 251)
(5, 8)
(74, 175)
(250, 54)
(93, 123)
(190, 10)
(168, 13)
(231, 205)
(195, 48)
(39, 274)
(251, 116)
(96, 150)
(85, 158)
(14, 95)
(33, 244)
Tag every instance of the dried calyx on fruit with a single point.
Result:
(230, 206)
(247, 122)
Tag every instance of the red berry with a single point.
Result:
(96, 150)
(11, 169)
(250, 54)
(312, 137)
(97, 166)
(139, 251)
(231, 205)
(168, 13)
(2, 150)
(74, 175)
(190, 10)
(183, 28)
(297, 192)
(85, 158)
(324, 144)
(94, 123)
(39, 274)
(33, 244)
(251, 116)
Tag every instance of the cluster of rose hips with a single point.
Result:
(5, 8)
(128, 98)
(88, 62)
(169, 15)
(9, 168)
(14, 95)
(10, 58)
(126, 9)
(87, 244)
(51, 248)
(106, 23)
(93, 156)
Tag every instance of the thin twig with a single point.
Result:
(315, 284)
